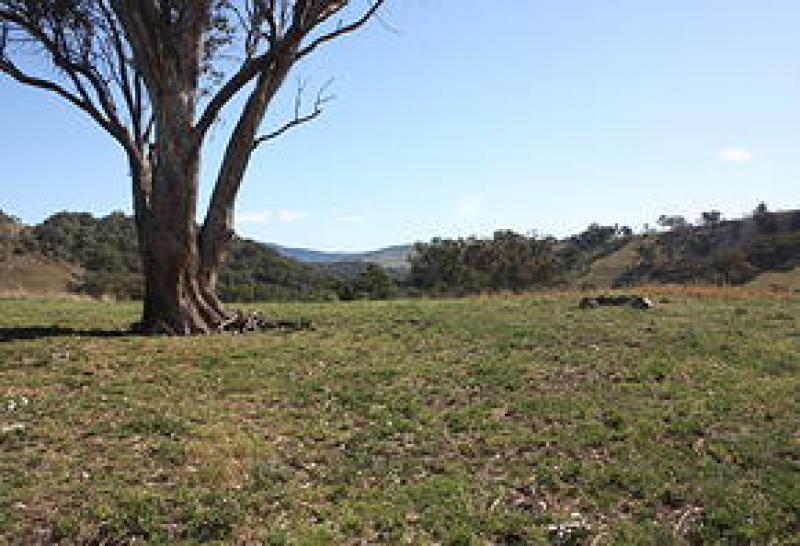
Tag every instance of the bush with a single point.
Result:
(731, 266)
(508, 261)
(775, 251)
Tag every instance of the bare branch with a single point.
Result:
(76, 55)
(389, 27)
(341, 30)
(283, 45)
(80, 101)
(246, 73)
(299, 119)
(272, 22)
(13, 71)
(290, 125)
(122, 76)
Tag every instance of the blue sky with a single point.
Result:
(474, 115)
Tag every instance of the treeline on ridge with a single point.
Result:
(507, 261)
(106, 251)
(712, 250)
(716, 251)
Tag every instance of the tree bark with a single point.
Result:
(217, 230)
(177, 298)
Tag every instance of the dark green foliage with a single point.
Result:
(647, 252)
(6, 218)
(776, 250)
(766, 221)
(721, 252)
(579, 251)
(255, 272)
(374, 283)
(732, 266)
(106, 248)
(508, 261)
(15, 238)
(95, 243)
(711, 218)
(672, 222)
(105, 282)
(794, 220)
(699, 243)
(596, 236)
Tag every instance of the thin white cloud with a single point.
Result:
(287, 215)
(348, 218)
(252, 217)
(736, 154)
(265, 216)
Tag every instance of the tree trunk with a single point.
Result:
(179, 294)
(177, 299)
(218, 226)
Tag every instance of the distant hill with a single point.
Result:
(394, 257)
(313, 256)
(762, 250)
(77, 253)
(604, 271)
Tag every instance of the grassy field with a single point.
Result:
(480, 421)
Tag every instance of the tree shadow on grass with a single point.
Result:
(245, 323)
(19, 333)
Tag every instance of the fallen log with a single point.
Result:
(243, 322)
(637, 302)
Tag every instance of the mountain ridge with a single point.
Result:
(393, 256)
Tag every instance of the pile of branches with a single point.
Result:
(242, 322)
(637, 302)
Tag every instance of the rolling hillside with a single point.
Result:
(778, 281)
(76, 253)
(28, 275)
(603, 272)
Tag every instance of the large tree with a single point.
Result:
(156, 75)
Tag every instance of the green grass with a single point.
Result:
(478, 421)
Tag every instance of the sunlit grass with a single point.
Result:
(507, 420)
